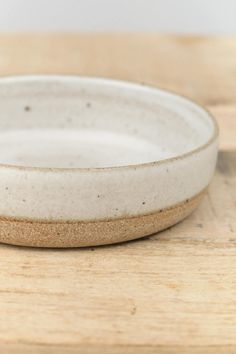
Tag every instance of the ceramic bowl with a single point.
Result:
(86, 161)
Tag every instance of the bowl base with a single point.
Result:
(35, 233)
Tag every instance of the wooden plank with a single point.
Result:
(226, 118)
(178, 287)
(171, 293)
(115, 349)
(199, 67)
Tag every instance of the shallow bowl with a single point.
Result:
(87, 161)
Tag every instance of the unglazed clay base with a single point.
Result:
(91, 161)
(93, 233)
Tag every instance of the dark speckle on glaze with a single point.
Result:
(88, 104)
(27, 108)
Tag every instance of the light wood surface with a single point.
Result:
(174, 292)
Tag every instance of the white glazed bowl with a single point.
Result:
(87, 161)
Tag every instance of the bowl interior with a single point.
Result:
(66, 122)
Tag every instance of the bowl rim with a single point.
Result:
(129, 84)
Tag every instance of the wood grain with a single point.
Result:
(200, 67)
(174, 292)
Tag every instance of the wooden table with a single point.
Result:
(171, 293)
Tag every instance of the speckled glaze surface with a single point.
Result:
(88, 161)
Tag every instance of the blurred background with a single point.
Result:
(181, 16)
